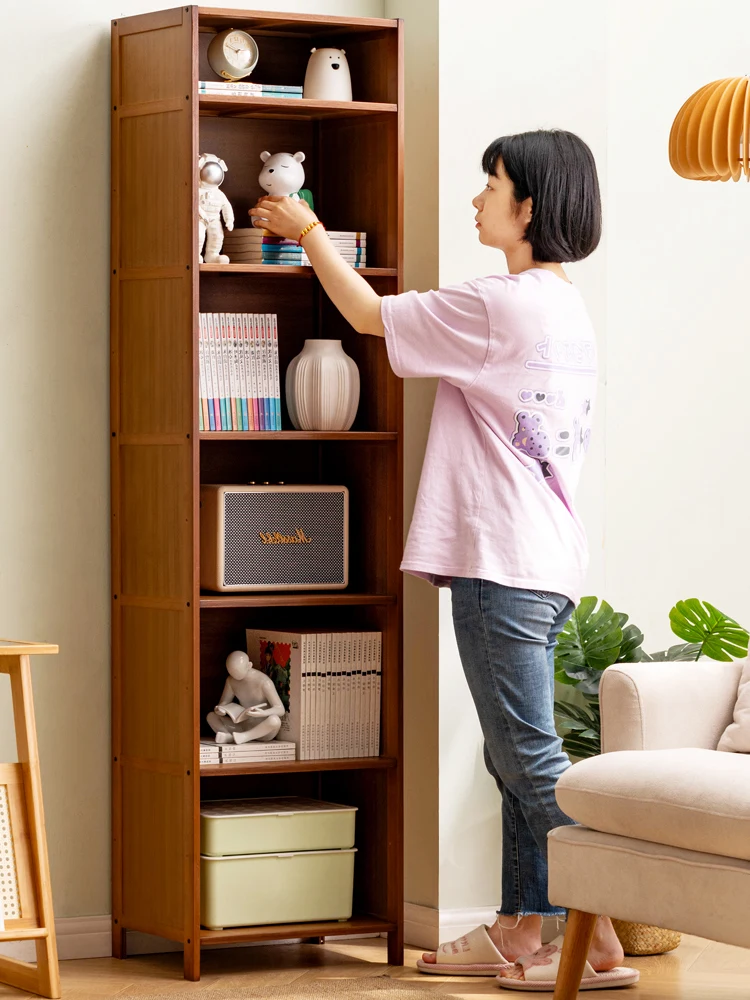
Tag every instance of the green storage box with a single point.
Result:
(252, 889)
(275, 826)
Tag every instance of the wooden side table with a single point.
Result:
(25, 891)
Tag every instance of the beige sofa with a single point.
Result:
(665, 818)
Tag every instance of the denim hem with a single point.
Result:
(532, 913)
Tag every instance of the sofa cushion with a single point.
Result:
(736, 737)
(692, 798)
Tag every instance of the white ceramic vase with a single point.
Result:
(322, 387)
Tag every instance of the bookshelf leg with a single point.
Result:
(119, 942)
(396, 946)
(192, 960)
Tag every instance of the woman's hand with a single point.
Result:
(282, 216)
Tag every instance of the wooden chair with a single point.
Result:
(25, 892)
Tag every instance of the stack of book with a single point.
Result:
(240, 88)
(257, 246)
(240, 385)
(329, 683)
(244, 753)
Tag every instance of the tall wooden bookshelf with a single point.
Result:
(169, 639)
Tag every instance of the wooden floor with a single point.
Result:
(697, 970)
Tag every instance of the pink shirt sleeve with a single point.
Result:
(438, 334)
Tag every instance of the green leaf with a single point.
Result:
(722, 637)
(581, 748)
(632, 640)
(682, 651)
(589, 643)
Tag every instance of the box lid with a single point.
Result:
(282, 806)
(283, 854)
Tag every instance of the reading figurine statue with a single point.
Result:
(250, 719)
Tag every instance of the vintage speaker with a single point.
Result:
(274, 537)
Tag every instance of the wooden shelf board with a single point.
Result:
(299, 766)
(242, 106)
(373, 436)
(293, 599)
(290, 270)
(280, 932)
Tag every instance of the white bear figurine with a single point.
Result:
(213, 204)
(327, 77)
(282, 174)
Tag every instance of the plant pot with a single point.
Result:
(322, 387)
(643, 939)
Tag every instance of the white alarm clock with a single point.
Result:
(233, 54)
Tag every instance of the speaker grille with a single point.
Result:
(249, 561)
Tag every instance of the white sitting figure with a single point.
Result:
(250, 719)
(213, 205)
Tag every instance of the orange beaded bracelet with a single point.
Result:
(307, 229)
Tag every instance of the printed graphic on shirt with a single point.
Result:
(530, 437)
(554, 397)
(569, 357)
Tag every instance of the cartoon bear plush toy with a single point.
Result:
(282, 174)
(327, 77)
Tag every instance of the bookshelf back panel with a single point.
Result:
(367, 470)
(155, 323)
(358, 184)
(283, 57)
(223, 631)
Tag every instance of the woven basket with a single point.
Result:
(643, 939)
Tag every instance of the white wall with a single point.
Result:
(54, 438)
(678, 329)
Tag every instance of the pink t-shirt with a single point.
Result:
(516, 359)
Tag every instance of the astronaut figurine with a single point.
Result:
(213, 205)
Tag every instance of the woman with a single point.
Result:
(494, 517)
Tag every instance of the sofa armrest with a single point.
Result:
(660, 706)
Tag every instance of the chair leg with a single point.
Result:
(579, 932)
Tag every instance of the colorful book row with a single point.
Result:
(240, 388)
(330, 684)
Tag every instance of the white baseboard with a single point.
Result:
(427, 927)
(77, 937)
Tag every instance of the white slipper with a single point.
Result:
(474, 954)
(540, 973)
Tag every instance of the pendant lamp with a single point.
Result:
(710, 137)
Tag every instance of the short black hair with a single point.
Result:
(557, 170)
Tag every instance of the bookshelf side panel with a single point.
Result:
(154, 508)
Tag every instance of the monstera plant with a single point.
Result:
(597, 636)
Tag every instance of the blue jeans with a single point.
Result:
(506, 638)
